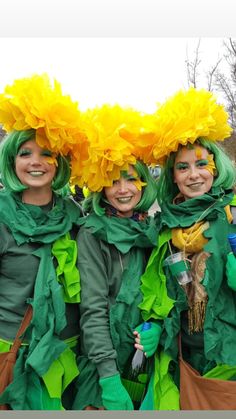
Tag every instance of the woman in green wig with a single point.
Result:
(38, 250)
(193, 296)
(114, 243)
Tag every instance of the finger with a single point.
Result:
(138, 346)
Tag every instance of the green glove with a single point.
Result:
(231, 271)
(149, 339)
(114, 394)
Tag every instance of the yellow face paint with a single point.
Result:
(198, 152)
(133, 175)
(211, 164)
(139, 184)
(52, 160)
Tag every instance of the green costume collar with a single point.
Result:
(123, 233)
(188, 212)
(29, 223)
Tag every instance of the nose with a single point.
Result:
(122, 188)
(36, 159)
(193, 172)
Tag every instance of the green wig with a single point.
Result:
(8, 151)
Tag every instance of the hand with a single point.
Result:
(231, 271)
(114, 394)
(148, 340)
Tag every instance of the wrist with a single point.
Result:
(107, 368)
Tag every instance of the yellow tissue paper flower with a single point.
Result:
(112, 146)
(34, 102)
(185, 117)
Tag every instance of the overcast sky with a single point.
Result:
(131, 71)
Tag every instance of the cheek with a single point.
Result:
(107, 194)
(52, 170)
(176, 176)
(138, 195)
(18, 166)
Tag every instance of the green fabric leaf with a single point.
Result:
(65, 251)
(156, 304)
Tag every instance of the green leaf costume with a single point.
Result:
(112, 256)
(212, 350)
(32, 239)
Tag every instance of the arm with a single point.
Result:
(96, 341)
(94, 306)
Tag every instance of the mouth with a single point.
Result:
(195, 186)
(36, 173)
(124, 200)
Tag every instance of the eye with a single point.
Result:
(131, 178)
(24, 152)
(181, 166)
(46, 153)
(202, 163)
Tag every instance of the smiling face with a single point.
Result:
(32, 167)
(193, 171)
(124, 194)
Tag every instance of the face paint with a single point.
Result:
(211, 164)
(52, 160)
(198, 152)
(134, 178)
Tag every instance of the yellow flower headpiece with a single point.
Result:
(113, 144)
(185, 117)
(34, 103)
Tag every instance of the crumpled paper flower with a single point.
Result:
(34, 102)
(185, 117)
(112, 133)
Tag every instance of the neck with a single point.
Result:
(36, 197)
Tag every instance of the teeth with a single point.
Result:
(34, 173)
(124, 200)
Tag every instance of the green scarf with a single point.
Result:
(123, 233)
(206, 207)
(29, 223)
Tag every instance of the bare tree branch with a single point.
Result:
(211, 74)
(192, 66)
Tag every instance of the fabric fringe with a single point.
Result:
(196, 317)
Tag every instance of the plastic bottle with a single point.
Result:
(232, 242)
(135, 376)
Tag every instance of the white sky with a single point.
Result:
(130, 71)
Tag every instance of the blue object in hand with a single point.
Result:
(232, 242)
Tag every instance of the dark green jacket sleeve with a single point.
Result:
(100, 267)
